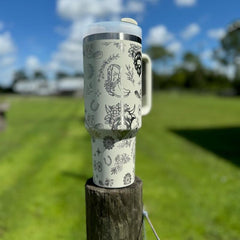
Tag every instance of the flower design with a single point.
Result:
(127, 179)
(113, 117)
(138, 62)
(120, 160)
(108, 182)
(135, 53)
(90, 121)
(132, 50)
(108, 142)
(129, 115)
(98, 166)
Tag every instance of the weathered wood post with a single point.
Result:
(114, 214)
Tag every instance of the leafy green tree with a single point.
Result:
(192, 59)
(61, 75)
(19, 75)
(229, 51)
(38, 74)
(159, 53)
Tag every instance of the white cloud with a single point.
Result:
(159, 35)
(7, 60)
(134, 6)
(75, 9)
(217, 33)
(1, 26)
(185, 3)
(174, 47)
(32, 63)
(82, 13)
(6, 44)
(190, 31)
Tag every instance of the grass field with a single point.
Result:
(188, 156)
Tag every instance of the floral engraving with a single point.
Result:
(135, 53)
(127, 179)
(108, 142)
(120, 45)
(89, 53)
(98, 166)
(113, 117)
(129, 115)
(125, 143)
(133, 49)
(108, 182)
(138, 63)
(120, 160)
(130, 73)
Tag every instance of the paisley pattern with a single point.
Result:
(112, 96)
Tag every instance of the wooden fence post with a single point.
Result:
(114, 214)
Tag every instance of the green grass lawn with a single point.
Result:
(188, 156)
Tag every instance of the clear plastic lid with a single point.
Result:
(126, 25)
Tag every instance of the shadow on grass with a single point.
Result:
(224, 141)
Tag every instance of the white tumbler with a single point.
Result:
(113, 58)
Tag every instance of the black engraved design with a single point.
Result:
(89, 53)
(108, 182)
(120, 45)
(133, 49)
(113, 84)
(98, 151)
(138, 63)
(108, 142)
(90, 71)
(98, 93)
(106, 62)
(138, 94)
(120, 160)
(125, 143)
(113, 117)
(130, 74)
(135, 53)
(98, 166)
(90, 88)
(100, 182)
(129, 115)
(94, 105)
(127, 179)
(108, 161)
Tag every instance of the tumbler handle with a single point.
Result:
(147, 76)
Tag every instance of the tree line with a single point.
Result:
(192, 74)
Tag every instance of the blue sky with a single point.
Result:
(47, 34)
